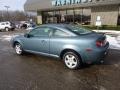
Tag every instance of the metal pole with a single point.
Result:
(2, 16)
(7, 7)
(59, 17)
(82, 16)
(73, 16)
(66, 16)
(118, 14)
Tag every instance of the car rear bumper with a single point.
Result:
(97, 55)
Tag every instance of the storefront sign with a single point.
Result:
(68, 2)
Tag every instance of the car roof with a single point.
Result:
(5, 22)
(56, 25)
(59, 26)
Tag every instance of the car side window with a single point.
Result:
(60, 33)
(42, 31)
(2, 23)
(7, 23)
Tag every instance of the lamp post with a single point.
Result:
(7, 8)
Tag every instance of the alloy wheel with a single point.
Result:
(18, 49)
(71, 61)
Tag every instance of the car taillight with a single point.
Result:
(100, 43)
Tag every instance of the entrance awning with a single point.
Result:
(35, 5)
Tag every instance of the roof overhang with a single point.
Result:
(47, 5)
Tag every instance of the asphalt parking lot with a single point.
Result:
(35, 72)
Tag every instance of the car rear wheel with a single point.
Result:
(6, 29)
(18, 49)
(72, 60)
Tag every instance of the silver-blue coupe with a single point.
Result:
(72, 44)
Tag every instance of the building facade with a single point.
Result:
(75, 11)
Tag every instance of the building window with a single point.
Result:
(79, 16)
(82, 16)
(97, 0)
(70, 16)
(63, 16)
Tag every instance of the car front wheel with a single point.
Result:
(18, 49)
(72, 60)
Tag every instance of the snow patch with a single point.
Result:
(118, 39)
(108, 31)
(7, 37)
(114, 44)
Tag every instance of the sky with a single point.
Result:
(13, 4)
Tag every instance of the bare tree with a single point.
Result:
(16, 16)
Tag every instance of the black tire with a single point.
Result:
(0, 30)
(18, 49)
(6, 29)
(12, 29)
(74, 63)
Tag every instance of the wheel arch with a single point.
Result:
(69, 50)
(6, 27)
(15, 43)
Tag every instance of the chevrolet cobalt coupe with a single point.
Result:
(72, 44)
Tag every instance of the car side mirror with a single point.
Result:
(28, 35)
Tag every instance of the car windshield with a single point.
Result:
(77, 29)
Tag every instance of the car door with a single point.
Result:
(57, 41)
(38, 40)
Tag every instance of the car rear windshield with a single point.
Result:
(77, 29)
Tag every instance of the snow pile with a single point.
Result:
(114, 44)
(114, 41)
(118, 39)
(29, 28)
(108, 31)
(7, 37)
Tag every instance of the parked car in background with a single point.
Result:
(73, 44)
(31, 26)
(6, 26)
(26, 25)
